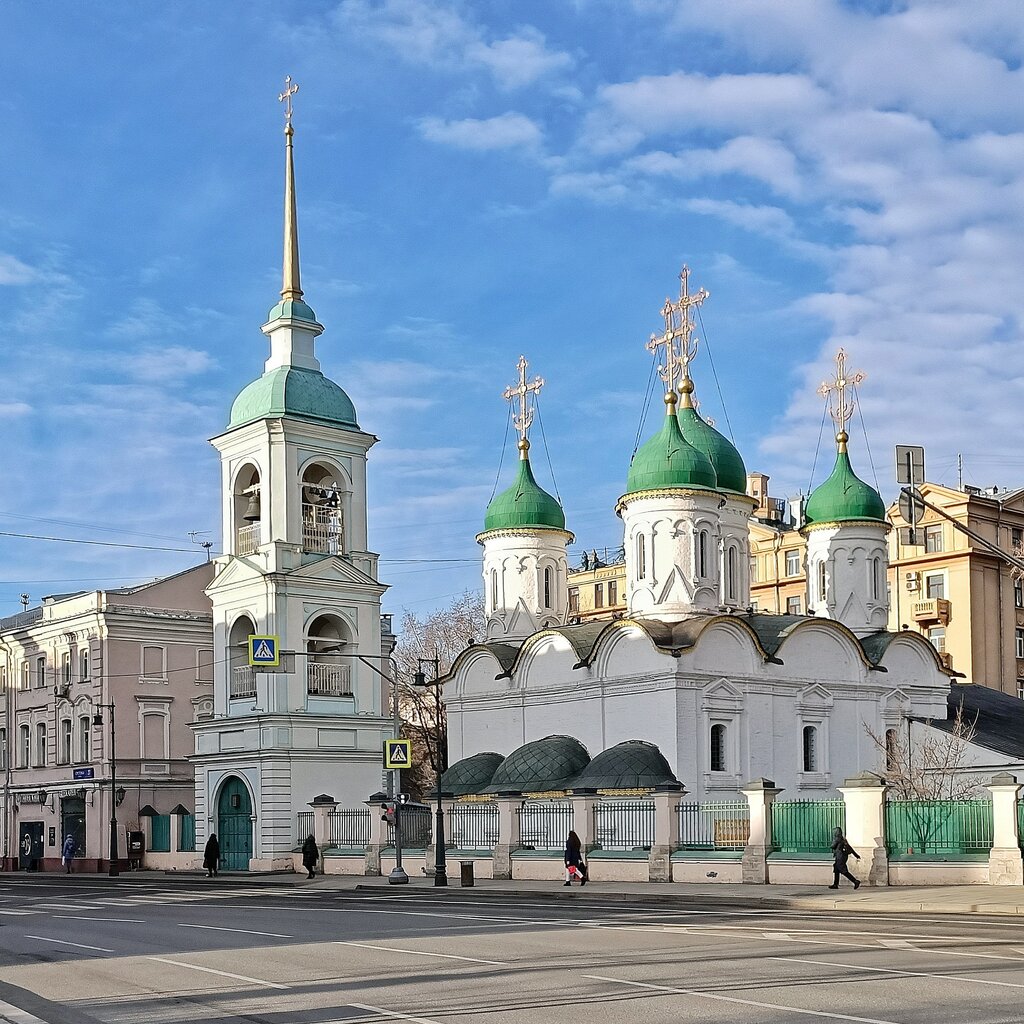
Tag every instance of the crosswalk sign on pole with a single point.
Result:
(264, 650)
(398, 753)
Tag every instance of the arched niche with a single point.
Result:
(627, 650)
(325, 497)
(724, 647)
(822, 650)
(246, 509)
(329, 671)
(241, 675)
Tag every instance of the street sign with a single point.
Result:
(911, 506)
(83, 773)
(397, 753)
(909, 464)
(264, 650)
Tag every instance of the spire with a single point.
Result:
(841, 406)
(290, 288)
(679, 341)
(522, 407)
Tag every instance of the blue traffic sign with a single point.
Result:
(83, 773)
(264, 650)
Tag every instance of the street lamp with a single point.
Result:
(420, 679)
(97, 721)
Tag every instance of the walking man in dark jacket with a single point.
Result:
(211, 855)
(841, 851)
(310, 855)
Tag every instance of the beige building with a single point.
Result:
(146, 649)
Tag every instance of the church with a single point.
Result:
(725, 693)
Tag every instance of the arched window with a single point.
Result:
(730, 574)
(822, 584)
(810, 748)
(892, 749)
(23, 745)
(65, 741)
(494, 589)
(547, 587)
(84, 739)
(41, 744)
(702, 554)
(876, 578)
(641, 557)
(718, 758)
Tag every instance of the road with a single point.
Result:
(75, 950)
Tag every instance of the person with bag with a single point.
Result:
(841, 851)
(310, 855)
(211, 855)
(67, 853)
(575, 866)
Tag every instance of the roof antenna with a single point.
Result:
(25, 601)
(206, 545)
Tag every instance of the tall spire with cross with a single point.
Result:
(679, 324)
(290, 287)
(523, 396)
(841, 404)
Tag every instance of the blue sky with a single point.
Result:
(476, 181)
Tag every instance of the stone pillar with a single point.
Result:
(666, 834)
(1004, 861)
(760, 794)
(322, 806)
(864, 797)
(175, 842)
(378, 835)
(508, 835)
(583, 805)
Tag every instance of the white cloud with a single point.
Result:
(14, 272)
(519, 60)
(506, 131)
(165, 365)
(13, 409)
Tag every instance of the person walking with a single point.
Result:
(67, 852)
(211, 856)
(310, 855)
(574, 862)
(841, 851)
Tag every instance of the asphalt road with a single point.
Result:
(160, 950)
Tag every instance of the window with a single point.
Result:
(65, 741)
(41, 744)
(937, 638)
(810, 748)
(153, 662)
(84, 739)
(613, 592)
(40, 672)
(933, 537)
(83, 665)
(547, 587)
(822, 584)
(935, 586)
(494, 588)
(1020, 696)
(574, 600)
(3, 678)
(26, 671)
(792, 605)
(718, 762)
(1016, 538)
(1018, 593)
(753, 570)
(1019, 636)
(3, 748)
(702, 554)
(23, 745)
(204, 665)
(598, 595)
(892, 748)
(793, 562)
(154, 736)
(65, 668)
(641, 558)
(730, 574)
(876, 578)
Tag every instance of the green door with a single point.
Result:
(234, 825)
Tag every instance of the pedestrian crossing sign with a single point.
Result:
(398, 753)
(264, 650)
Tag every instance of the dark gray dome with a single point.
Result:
(633, 764)
(471, 775)
(540, 766)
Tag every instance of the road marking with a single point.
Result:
(114, 920)
(15, 1015)
(959, 978)
(896, 943)
(420, 952)
(982, 956)
(387, 1013)
(742, 1002)
(241, 931)
(18, 913)
(223, 974)
(64, 942)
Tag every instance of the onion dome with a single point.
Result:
(471, 775)
(669, 460)
(634, 764)
(293, 391)
(729, 468)
(541, 766)
(843, 497)
(524, 505)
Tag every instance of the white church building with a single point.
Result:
(727, 694)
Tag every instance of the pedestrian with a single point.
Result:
(574, 862)
(67, 852)
(310, 855)
(841, 851)
(211, 856)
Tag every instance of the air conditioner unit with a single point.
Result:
(913, 581)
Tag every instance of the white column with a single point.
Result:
(864, 796)
(508, 835)
(666, 834)
(760, 794)
(1005, 866)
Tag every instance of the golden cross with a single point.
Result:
(290, 89)
(696, 408)
(678, 339)
(842, 408)
(523, 417)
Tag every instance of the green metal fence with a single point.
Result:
(806, 826)
(722, 825)
(161, 833)
(187, 834)
(938, 826)
(1020, 823)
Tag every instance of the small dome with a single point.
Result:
(471, 775)
(843, 497)
(293, 391)
(634, 764)
(524, 504)
(291, 309)
(540, 766)
(669, 460)
(729, 468)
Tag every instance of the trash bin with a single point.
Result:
(466, 873)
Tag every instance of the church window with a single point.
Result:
(876, 573)
(41, 744)
(702, 554)
(810, 748)
(84, 739)
(892, 748)
(65, 741)
(935, 586)
(822, 583)
(23, 744)
(574, 600)
(613, 592)
(641, 557)
(718, 759)
(730, 574)
(793, 562)
(792, 605)
(598, 595)
(494, 588)
(547, 587)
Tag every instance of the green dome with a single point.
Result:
(524, 504)
(470, 775)
(293, 391)
(291, 309)
(729, 468)
(669, 460)
(843, 497)
(634, 764)
(540, 766)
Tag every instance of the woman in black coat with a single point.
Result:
(841, 851)
(211, 855)
(310, 855)
(574, 859)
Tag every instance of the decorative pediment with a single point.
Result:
(335, 569)
(721, 695)
(238, 570)
(814, 698)
(676, 589)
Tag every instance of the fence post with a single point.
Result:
(379, 837)
(864, 797)
(1005, 866)
(508, 835)
(666, 833)
(760, 794)
(322, 806)
(583, 805)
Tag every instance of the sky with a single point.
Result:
(478, 181)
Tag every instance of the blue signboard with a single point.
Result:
(263, 650)
(83, 773)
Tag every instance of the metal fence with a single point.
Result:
(714, 826)
(624, 824)
(303, 826)
(473, 826)
(938, 826)
(806, 826)
(416, 828)
(349, 828)
(1020, 823)
(545, 824)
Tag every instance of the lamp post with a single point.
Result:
(420, 679)
(97, 720)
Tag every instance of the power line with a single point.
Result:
(93, 543)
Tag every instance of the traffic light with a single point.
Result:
(403, 798)
(389, 813)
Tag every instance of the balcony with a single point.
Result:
(248, 540)
(327, 680)
(242, 682)
(934, 609)
(322, 529)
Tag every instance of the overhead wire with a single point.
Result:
(501, 457)
(817, 447)
(544, 441)
(867, 443)
(714, 373)
(646, 406)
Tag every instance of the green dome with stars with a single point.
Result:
(669, 460)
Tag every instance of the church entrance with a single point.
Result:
(234, 825)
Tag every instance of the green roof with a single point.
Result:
(729, 468)
(524, 504)
(634, 764)
(471, 774)
(843, 497)
(291, 309)
(540, 766)
(669, 460)
(293, 391)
